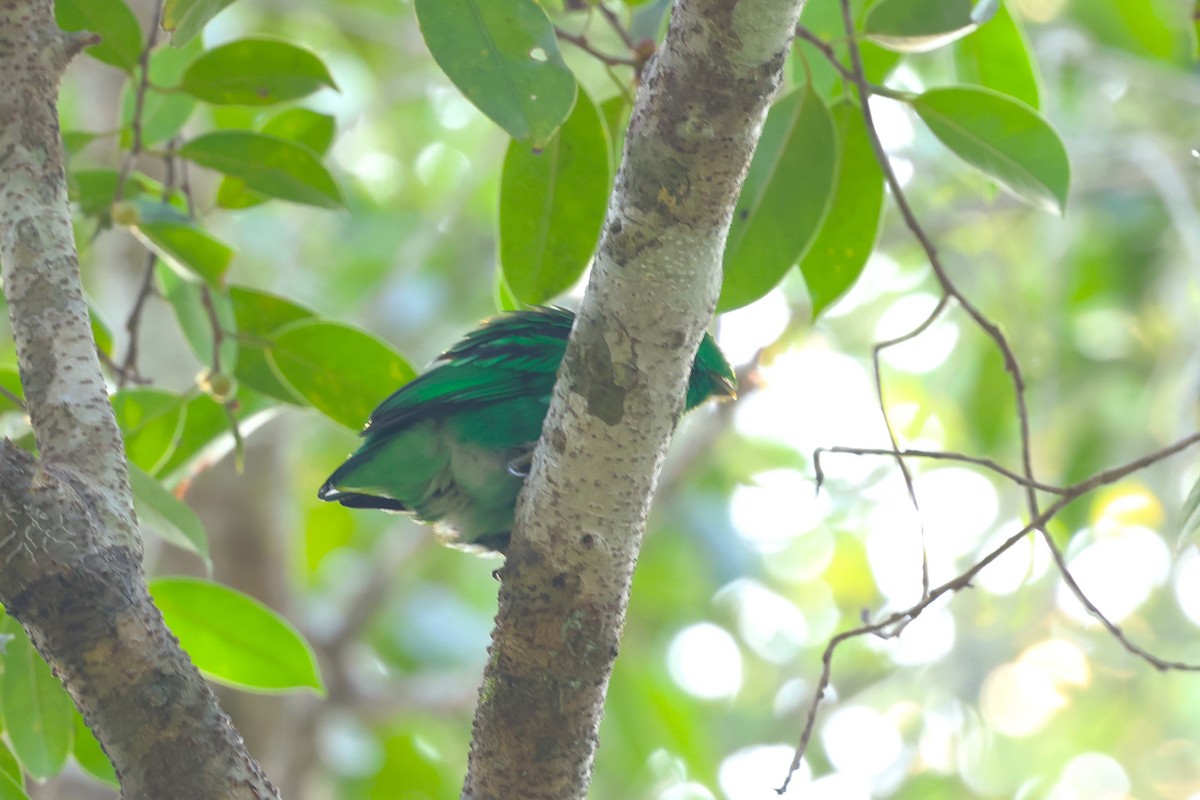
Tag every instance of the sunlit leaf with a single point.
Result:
(10, 788)
(847, 234)
(343, 372)
(916, 26)
(255, 72)
(167, 515)
(1003, 138)
(268, 164)
(121, 36)
(181, 242)
(998, 57)
(552, 205)
(100, 332)
(9, 766)
(37, 710)
(234, 639)
(785, 196)
(824, 19)
(11, 381)
(186, 18)
(503, 55)
(1189, 517)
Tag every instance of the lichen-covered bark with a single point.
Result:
(70, 553)
(654, 285)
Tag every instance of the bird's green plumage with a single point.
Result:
(448, 446)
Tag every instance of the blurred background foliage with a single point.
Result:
(1005, 690)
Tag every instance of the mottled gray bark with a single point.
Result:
(70, 551)
(655, 282)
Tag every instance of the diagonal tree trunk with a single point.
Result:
(70, 551)
(653, 288)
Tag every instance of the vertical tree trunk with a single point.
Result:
(654, 285)
(70, 552)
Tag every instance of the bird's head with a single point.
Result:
(712, 376)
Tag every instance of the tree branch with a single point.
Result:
(654, 285)
(70, 552)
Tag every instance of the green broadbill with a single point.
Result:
(452, 446)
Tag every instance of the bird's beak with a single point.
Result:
(726, 389)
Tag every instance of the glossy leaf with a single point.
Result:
(10, 788)
(121, 36)
(552, 205)
(916, 26)
(503, 296)
(182, 243)
(192, 311)
(186, 18)
(503, 56)
(234, 639)
(167, 515)
(95, 190)
(847, 235)
(164, 113)
(343, 372)
(300, 125)
(90, 756)
(255, 72)
(1003, 138)
(998, 57)
(37, 710)
(268, 164)
(205, 435)
(259, 315)
(151, 421)
(784, 198)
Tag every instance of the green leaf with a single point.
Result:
(164, 113)
(10, 379)
(784, 198)
(9, 766)
(234, 639)
(255, 72)
(503, 56)
(191, 308)
(10, 788)
(186, 18)
(182, 243)
(121, 36)
(167, 515)
(151, 421)
(1003, 138)
(847, 235)
(205, 435)
(90, 756)
(95, 190)
(552, 205)
(503, 296)
(259, 315)
(998, 57)
(295, 124)
(37, 710)
(100, 332)
(267, 164)
(824, 19)
(75, 141)
(917, 26)
(343, 372)
(615, 111)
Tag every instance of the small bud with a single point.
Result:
(217, 385)
(125, 214)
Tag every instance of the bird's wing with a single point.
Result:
(510, 357)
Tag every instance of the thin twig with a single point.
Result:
(942, 455)
(617, 25)
(963, 581)
(139, 101)
(12, 398)
(582, 43)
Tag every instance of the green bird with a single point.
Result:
(452, 446)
